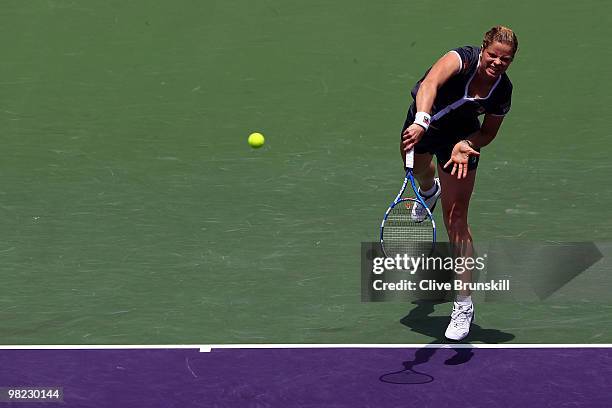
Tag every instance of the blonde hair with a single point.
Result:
(500, 34)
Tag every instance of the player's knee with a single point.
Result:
(455, 215)
(418, 173)
(456, 223)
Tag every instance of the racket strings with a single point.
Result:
(403, 235)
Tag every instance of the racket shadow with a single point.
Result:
(409, 375)
(406, 376)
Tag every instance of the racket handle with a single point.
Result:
(410, 159)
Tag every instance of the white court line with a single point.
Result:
(210, 347)
(206, 349)
(100, 346)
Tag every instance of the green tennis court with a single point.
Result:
(133, 211)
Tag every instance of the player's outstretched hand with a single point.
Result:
(459, 159)
(411, 136)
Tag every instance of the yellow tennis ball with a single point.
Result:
(256, 140)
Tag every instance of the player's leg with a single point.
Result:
(429, 186)
(455, 199)
(424, 171)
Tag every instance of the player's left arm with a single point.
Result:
(487, 132)
(467, 147)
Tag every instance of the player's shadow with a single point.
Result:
(420, 321)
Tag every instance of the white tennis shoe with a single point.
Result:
(419, 213)
(461, 319)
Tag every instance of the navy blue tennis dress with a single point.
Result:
(454, 115)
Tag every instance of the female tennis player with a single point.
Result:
(443, 121)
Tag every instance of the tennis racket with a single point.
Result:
(401, 234)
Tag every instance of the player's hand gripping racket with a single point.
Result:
(408, 226)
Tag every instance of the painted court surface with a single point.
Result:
(401, 377)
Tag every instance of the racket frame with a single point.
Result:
(409, 178)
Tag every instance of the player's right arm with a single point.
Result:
(442, 70)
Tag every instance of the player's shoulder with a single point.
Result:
(468, 56)
(505, 83)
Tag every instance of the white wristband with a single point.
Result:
(422, 119)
